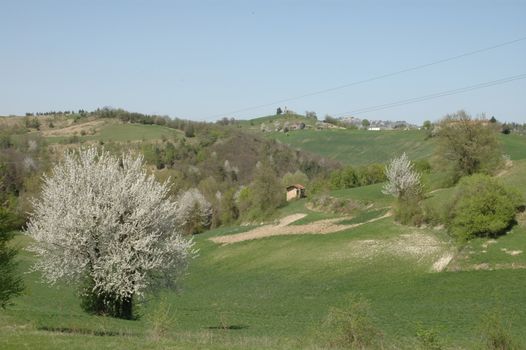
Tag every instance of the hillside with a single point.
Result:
(272, 283)
(281, 120)
(358, 147)
(275, 292)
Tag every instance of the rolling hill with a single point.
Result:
(273, 289)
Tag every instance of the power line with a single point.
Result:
(378, 77)
(433, 96)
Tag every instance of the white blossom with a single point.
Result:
(29, 164)
(193, 210)
(107, 219)
(32, 145)
(402, 179)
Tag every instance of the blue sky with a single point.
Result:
(203, 59)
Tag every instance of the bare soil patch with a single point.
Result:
(511, 252)
(419, 246)
(284, 228)
(442, 262)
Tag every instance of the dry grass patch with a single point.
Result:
(90, 128)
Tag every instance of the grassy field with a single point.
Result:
(359, 147)
(275, 292)
(514, 146)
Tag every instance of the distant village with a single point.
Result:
(286, 125)
(378, 124)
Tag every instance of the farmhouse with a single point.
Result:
(295, 192)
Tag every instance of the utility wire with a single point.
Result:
(433, 96)
(378, 77)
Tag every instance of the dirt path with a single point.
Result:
(284, 228)
(290, 219)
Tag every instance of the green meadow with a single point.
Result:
(276, 292)
(359, 147)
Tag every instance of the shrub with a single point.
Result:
(408, 211)
(350, 177)
(371, 174)
(330, 204)
(189, 130)
(351, 326)
(481, 206)
(161, 320)
(428, 338)
(422, 166)
(344, 178)
(496, 333)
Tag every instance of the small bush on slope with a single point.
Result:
(481, 206)
(352, 326)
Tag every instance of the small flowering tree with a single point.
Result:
(194, 211)
(402, 180)
(105, 222)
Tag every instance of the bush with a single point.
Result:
(161, 320)
(344, 178)
(408, 211)
(351, 326)
(372, 174)
(330, 204)
(350, 177)
(428, 338)
(189, 130)
(422, 166)
(496, 333)
(482, 207)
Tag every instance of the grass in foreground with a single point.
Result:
(275, 292)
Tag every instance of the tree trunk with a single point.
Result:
(126, 309)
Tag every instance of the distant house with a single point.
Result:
(374, 129)
(295, 192)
